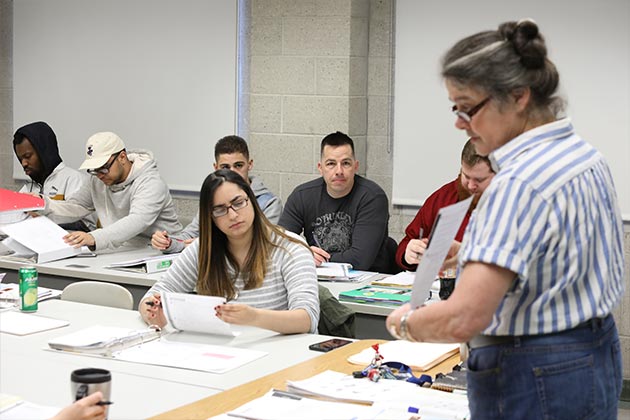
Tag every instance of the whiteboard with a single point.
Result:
(588, 41)
(159, 73)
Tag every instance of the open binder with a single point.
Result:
(38, 238)
(146, 265)
(104, 340)
(152, 347)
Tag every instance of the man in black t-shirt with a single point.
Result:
(343, 216)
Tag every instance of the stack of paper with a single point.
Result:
(11, 292)
(419, 356)
(334, 271)
(386, 296)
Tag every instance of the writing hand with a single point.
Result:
(151, 310)
(160, 240)
(83, 409)
(415, 250)
(320, 255)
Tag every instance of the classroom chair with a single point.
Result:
(98, 293)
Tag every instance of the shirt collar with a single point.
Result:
(500, 157)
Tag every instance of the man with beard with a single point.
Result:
(36, 148)
(474, 177)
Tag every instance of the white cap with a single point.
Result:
(99, 149)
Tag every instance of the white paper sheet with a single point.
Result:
(195, 313)
(194, 356)
(444, 230)
(19, 323)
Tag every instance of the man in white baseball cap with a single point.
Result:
(126, 192)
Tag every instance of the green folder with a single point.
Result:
(377, 295)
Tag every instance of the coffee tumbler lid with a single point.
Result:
(91, 376)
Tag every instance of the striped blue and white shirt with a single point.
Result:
(551, 216)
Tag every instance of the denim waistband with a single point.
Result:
(481, 340)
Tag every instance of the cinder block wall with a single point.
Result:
(312, 67)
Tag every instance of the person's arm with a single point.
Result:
(292, 218)
(181, 277)
(73, 208)
(468, 310)
(273, 209)
(370, 227)
(176, 243)
(418, 224)
(300, 281)
(149, 196)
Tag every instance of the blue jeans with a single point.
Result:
(572, 375)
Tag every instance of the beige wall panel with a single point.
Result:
(266, 36)
(315, 114)
(282, 153)
(265, 113)
(304, 36)
(283, 75)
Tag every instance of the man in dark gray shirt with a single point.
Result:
(343, 216)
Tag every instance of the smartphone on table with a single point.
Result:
(329, 345)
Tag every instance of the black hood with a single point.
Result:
(44, 141)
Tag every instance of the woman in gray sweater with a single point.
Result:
(268, 275)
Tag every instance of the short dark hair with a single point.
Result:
(229, 145)
(470, 156)
(336, 139)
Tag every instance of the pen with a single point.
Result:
(152, 304)
(168, 237)
(104, 403)
(421, 233)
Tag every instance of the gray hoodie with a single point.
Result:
(140, 205)
(269, 203)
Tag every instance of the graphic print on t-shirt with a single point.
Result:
(333, 231)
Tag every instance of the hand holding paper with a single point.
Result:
(440, 244)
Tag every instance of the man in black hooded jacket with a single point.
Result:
(36, 148)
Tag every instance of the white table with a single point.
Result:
(58, 274)
(42, 376)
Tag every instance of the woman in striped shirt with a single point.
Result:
(541, 263)
(268, 275)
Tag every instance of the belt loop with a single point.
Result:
(517, 342)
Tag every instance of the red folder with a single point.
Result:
(11, 201)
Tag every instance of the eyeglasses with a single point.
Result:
(467, 116)
(104, 170)
(238, 204)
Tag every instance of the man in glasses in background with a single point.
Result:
(474, 177)
(36, 149)
(126, 192)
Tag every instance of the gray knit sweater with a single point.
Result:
(290, 283)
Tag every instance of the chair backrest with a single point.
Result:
(98, 293)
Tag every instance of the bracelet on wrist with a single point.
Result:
(404, 327)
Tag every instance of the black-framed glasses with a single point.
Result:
(238, 204)
(104, 170)
(467, 115)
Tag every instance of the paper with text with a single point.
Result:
(195, 313)
(446, 225)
